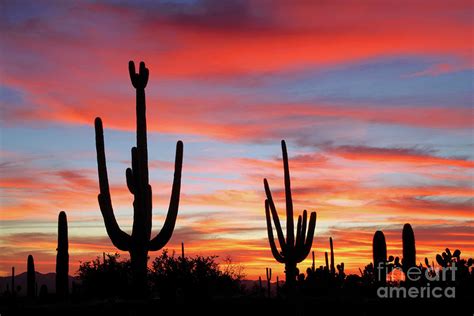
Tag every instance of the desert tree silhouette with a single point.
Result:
(138, 243)
(292, 251)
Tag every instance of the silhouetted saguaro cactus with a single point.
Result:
(292, 251)
(333, 269)
(379, 253)
(62, 258)
(409, 250)
(313, 266)
(326, 259)
(30, 277)
(269, 279)
(138, 243)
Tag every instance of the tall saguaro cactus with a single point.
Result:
(138, 243)
(292, 251)
(333, 268)
(379, 253)
(409, 250)
(62, 258)
(30, 277)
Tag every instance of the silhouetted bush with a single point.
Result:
(194, 278)
(107, 278)
(171, 277)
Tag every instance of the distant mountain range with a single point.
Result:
(49, 279)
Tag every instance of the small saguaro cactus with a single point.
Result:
(313, 266)
(182, 250)
(260, 287)
(379, 253)
(30, 277)
(292, 251)
(269, 279)
(62, 258)
(409, 250)
(138, 243)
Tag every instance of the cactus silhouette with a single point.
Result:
(326, 261)
(313, 265)
(138, 243)
(379, 253)
(333, 269)
(62, 258)
(447, 259)
(292, 251)
(340, 271)
(409, 250)
(30, 278)
(269, 279)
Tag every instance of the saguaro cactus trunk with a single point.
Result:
(30, 278)
(62, 258)
(138, 243)
(292, 251)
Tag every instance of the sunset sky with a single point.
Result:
(374, 100)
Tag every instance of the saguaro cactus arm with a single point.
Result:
(304, 245)
(165, 234)
(119, 238)
(276, 220)
(276, 254)
(129, 175)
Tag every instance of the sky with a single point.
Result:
(373, 98)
